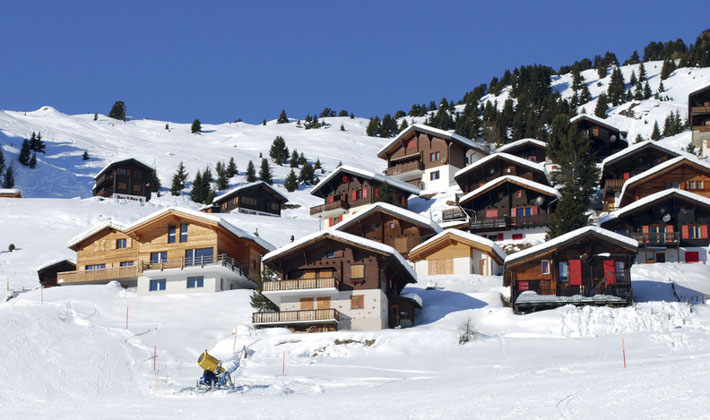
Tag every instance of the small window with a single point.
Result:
(126, 264)
(330, 254)
(120, 243)
(545, 266)
(532, 158)
(136, 188)
(434, 176)
(357, 271)
(171, 234)
(619, 270)
(183, 232)
(434, 157)
(392, 225)
(195, 282)
(509, 169)
(519, 194)
(122, 172)
(564, 271)
(373, 227)
(95, 267)
(156, 285)
(357, 302)
(122, 185)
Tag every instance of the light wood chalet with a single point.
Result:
(670, 226)
(456, 252)
(699, 119)
(391, 225)
(253, 198)
(588, 266)
(604, 138)
(10, 193)
(428, 157)
(347, 190)
(127, 179)
(173, 250)
(334, 280)
(683, 172)
(47, 273)
(619, 167)
(529, 149)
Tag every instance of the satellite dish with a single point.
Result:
(539, 201)
(612, 138)
(667, 217)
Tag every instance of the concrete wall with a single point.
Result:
(176, 281)
(373, 317)
(446, 178)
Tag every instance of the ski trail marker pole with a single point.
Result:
(283, 366)
(623, 350)
(126, 316)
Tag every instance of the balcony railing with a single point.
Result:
(414, 165)
(613, 183)
(301, 284)
(492, 223)
(452, 214)
(335, 205)
(700, 109)
(222, 259)
(608, 207)
(541, 219)
(655, 238)
(290, 317)
(702, 128)
(88, 276)
(506, 222)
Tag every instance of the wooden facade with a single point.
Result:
(605, 139)
(124, 179)
(10, 193)
(495, 166)
(257, 197)
(586, 266)
(48, 273)
(681, 172)
(456, 252)
(529, 149)
(699, 119)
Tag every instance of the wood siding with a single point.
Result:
(421, 146)
(136, 180)
(257, 198)
(496, 168)
(678, 176)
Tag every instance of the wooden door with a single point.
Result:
(323, 302)
(306, 304)
(575, 272)
(445, 266)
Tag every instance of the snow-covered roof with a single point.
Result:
(10, 191)
(706, 87)
(552, 243)
(408, 215)
(115, 162)
(520, 161)
(247, 186)
(635, 147)
(434, 132)
(94, 230)
(660, 167)
(653, 198)
(336, 234)
(530, 296)
(517, 143)
(368, 175)
(56, 261)
(594, 119)
(415, 297)
(464, 236)
(510, 178)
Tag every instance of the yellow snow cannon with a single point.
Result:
(210, 363)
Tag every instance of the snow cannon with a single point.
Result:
(210, 363)
(214, 375)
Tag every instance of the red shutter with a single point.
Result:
(377, 193)
(575, 272)
(346, 179)
(364, 193)
(500, 236)
(523, 285)
(353, 195)
(692, 257)
(533, 211)
(491, 214)
(404, 200)
(684, 230)
(644, 229)
(331, 198)
(669, 228)
(330, 221)
(703, 231)
(609, 272)
(512, 212)
(340, 218)
(626, 176)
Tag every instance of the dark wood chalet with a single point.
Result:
(629, 162)
(384, 223)
(127, 179)
(48, 273)
(668, 219)
(530, 149)
(333, 280)
(428, 157)
(588, 266)
(348, 189)
(496, 165)
(509, 202)
(253, 198)
(605, 139)
(699, 118)
(683, 172)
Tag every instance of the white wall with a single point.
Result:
(373, 317)
(176, 281)
(672, 254)
(536, 233)
(446, 178)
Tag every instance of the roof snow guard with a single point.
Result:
(407, 215)
(367, 175)
(434, 132)
(515, 180)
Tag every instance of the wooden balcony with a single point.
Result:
(97, 276)
(413, 165)
(301, 284)
(508, 222)
(700, 110)
(608, 207)
(613, 184)
(223, 260)
(452, 214)
(542, 219)
(488, 224)
(701, 128)
(313, 316)
(655, 238)
(330, 207)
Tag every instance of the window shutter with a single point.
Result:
(626, 176)
(644, 229)
(491, 214)
(364, 193)
(340, 218)
(500, 236)
(357, 271)
(129, 243)
(331, 198)
(512, 212)
(353, 195)
(703, 231)
(684, 231)
(669, 228)
(377, 193)
(609, 272)
(575, 272)
(533, 210)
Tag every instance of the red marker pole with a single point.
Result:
(623, 350)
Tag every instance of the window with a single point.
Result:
(156, 285)
(195, 282)
(523, 211)
(274, 206)
(357, 271)
(532, 158)
(122, 172)
(619, 270)
(564, 271)
(346, 179)
(136, 188)
(171, 234)
(126, 264)
(183, 232)
(509, 169)
(199, 256)
(364, 193)
(434, 176)
(158, 257)
(373, 227)
(545, 266)
(330, 254)
(251, 201)
(120, 243)
(519, 194)
(391, 225)
(377, 193)
(357, 302)
(95, 267)
(434, 157)
(122, 185)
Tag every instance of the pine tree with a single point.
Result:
(2, 161)
(293, 161)
(232, 168)
(265, 173)
(667, 69)
(691, 149)
(646, 91)
(196, 127)
(317, 165)
(404, 125)
(577, 79)
(616, 91)
(342, 127)
(656, 133)
(386, 194)
(585, 96)
(155, 184)
(642, 73)
(33, 160)
(222, 176)
(25, 153)
(85, 156)
(197, 192)
(279, 151)
(96, 117)
(602, 107)
(283, 119)
(633, 80)
(661, 89)
(118, 111)
(9, 181)
(179, 180)
(251, 172)
(263, 122)
(638, 139)
(36, 143)
(307, 174)
(302, 159)
(257, 300)
(291, 181)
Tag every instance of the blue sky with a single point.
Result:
(219, 61)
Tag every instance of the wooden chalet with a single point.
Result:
(348, 190)
(390, 225)
(529, 149)
(127, 179)
(253, 198)
(173, 250)
(683, 172)
(333, 280)
(588, 266)
(699, 119)
(510, 207)
(619, 167)
(496, 165)
(428, 157)
(454, 252)
(669, 226)
(47, 273)
(10, 193)
(605, 139)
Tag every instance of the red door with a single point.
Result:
(692, 257)
(575, 272)
(609, 274)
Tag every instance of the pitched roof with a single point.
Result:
(51, 263)
(434, 132)
(10, 191)
(699, 90)
(342, 237)
(500, 155)
(112, 224)
(637, 147)
(650, 199)
(498, 253)
(658, 168)
(595, 120)
(518, 143)
(408, 215)
(116, 162)
(515, 180)
(597, 231)
(243, 187)
(367, 175)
